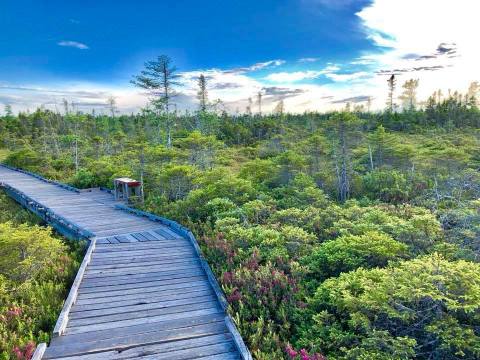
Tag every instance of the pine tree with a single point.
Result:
(248, 109)
(392, 82)
(202, 94)
(409, 95)
(8, 111)
(159, 78)
(279, 108)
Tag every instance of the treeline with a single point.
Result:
(350, 235)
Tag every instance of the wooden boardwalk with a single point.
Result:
(143, 290)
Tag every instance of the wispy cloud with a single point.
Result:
(288, 77)
(81, 96)
(66, 93)
(353, 99)
(225, 85)
(308, 60)
(74, 44)
(281, 93)
(348, 77)
(256, 67)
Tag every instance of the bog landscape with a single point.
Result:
(293, 180)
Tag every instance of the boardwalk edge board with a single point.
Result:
(59, 223)
(181, 230)
(73, 231)
(62, 320)
(39, 351)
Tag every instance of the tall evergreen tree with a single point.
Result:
(392, 82)
(202, 94)
(409, 95)
(159, 78)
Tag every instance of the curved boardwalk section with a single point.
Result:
(143, 290)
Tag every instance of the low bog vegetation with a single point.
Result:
(36, 269)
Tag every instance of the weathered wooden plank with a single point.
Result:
(143, 283)
(167, 233)
(142, 298)
(136, 259)
(167, 274)
(140, 264)
(152, 325)
(120, 230)
(142, 280)
(150, 245)
(116, 325)
(165, 269)
(124, 309)
(116, 224)
(118, 343)
(111, 318)
(153, 245)
(198, 352)
(142, 252)
(136, 352)
(158, 285)
(133, 294)
(230, 356)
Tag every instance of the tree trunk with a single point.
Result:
(371, 157)
(344, 186)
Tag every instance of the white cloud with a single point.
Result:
(256, 66)
(74, 44)
(308, 60)
(266, 64)
(410, 27)
(348, 77)
(295, 76)
(84, 96)
(288, 77)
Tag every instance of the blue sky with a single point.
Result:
(313, 54)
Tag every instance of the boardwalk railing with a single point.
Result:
(59, 223)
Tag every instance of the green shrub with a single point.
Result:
(417, 309)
